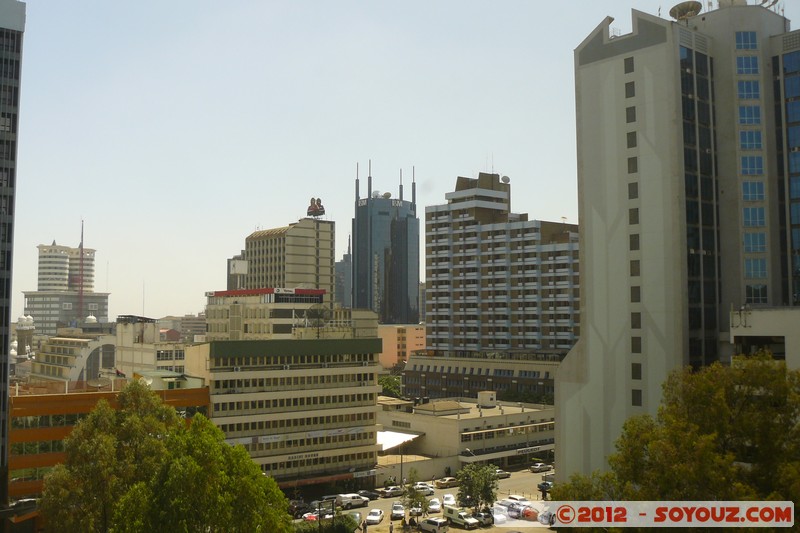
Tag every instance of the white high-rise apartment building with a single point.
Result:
(496, 280)
(688, 136)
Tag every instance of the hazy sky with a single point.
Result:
(175, 128)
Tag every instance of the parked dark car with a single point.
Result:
(371, 494)
(297, 508)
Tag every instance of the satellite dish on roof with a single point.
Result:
(99, 383)
(686, 10)
(505, 179)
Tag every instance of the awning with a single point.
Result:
(393, 439)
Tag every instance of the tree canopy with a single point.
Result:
(141, 468)
(721, 433)
(477, 485)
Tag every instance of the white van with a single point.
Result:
(350, 501)
(460, 517)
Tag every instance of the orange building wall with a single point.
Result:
(79, 403)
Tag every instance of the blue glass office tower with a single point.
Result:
(386, 255)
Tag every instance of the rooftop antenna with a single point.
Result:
(413, 189)
(357, 196)
(369, 180)
(401, 184)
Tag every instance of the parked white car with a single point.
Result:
(540, 467)
(423, 488)
(375, 516)
(448, 499)
(434, 506)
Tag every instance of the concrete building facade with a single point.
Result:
(305, 409)
(399, 342)
(300, 255)
(496, 280)
(522, 376)
(688, 179)
(481, 430)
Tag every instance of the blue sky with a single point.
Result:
(176, 128)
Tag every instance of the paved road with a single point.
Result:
(522, 483)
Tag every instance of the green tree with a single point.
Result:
(106, 454)
(390, 385)
(414, 498)
(721, 433)
(140, 468)
(204, 485)
(477, 485)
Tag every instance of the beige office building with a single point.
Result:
(305, 409)
(300, 255)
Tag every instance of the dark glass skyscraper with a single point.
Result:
(12, 24)
(386, 255)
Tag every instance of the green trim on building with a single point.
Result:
(293, 347)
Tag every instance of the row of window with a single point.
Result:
(267, 427)
(271, 360)
(305, 382)
(316, 443)
(291, 467)
(633, 220)
(317, 402)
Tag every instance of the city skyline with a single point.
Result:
(173, 130)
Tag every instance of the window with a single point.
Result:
(636, 344)
(628, 61)
(747, 65)
(752, 191)
(750, 140)
(755, 268)
(746, 40)
(749, 89)
(791, 62)
(636, 320)
(794, 162)
(635, 267)
(636, 294)
(631, 139)
(633, 165)
(636, 370)
(749, 114)
(630, 90)
(636, 397)
(633, 216)
(755, 243)
(794, 187)
(633, 191)
(630, 114)
(634, 241)
(792, 87)
(793, 111)
(753, 217)
(752, 165)
(755, 294)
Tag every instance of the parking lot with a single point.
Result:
(522, 483)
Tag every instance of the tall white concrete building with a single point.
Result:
(688, 135)
(496, 280)
(65, 291)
